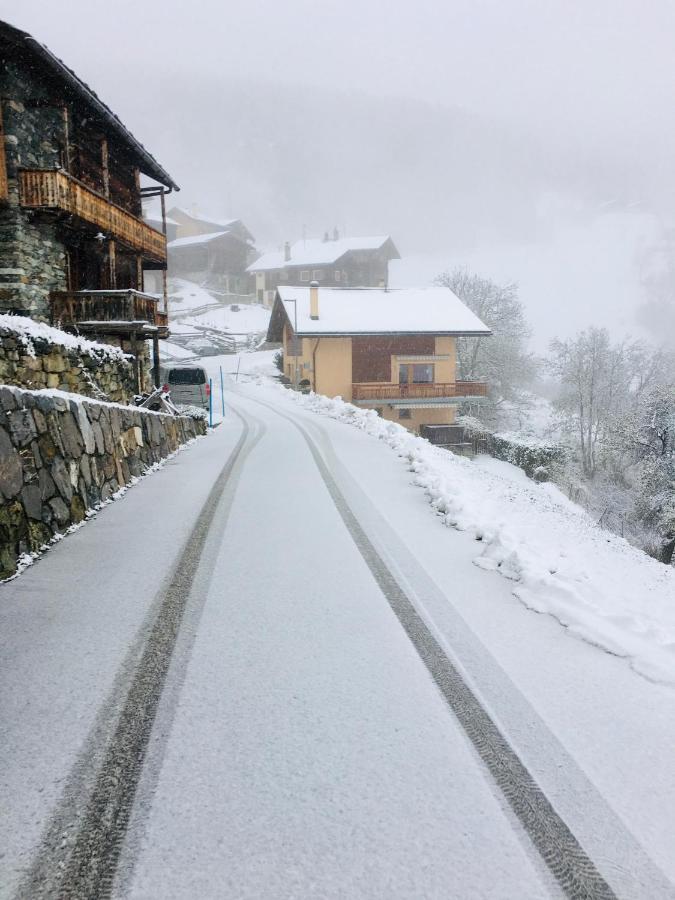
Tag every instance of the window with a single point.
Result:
(405, 414)
(416, 373)
(338, 273)
(317, 275)
(304, 275)
(187, 376)
(423, 373)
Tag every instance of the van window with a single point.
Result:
(186, 376)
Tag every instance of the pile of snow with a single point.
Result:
(28, 331)
(562, 563)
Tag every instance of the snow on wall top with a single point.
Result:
(28, 330)
(316, 252)
(431, 310)
(195, 239)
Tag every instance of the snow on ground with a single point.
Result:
(252, 319)
(170, 352)
(185, 296)
(561, 563)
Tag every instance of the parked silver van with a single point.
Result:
(188, 384)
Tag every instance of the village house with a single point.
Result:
(332, 261)
(74, 248)
(213, 253)
(389, 350)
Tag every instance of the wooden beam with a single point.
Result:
(105, 168)
(155, 359)
(139, 272)
(66, 137)
(112, 265)
(4, 185)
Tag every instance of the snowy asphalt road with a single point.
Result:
(257, 723)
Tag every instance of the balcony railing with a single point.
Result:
(436, 391)
(57, 190)
(72, 308)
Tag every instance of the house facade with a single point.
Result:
(389, 350)
(213, 253)
(73, 244)
(332, 261)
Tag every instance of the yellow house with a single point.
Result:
(389, 350)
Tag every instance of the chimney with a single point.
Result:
(314, 300)
(325, 237)
(336, 234)
(287, 252)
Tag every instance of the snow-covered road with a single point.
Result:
(269, 672)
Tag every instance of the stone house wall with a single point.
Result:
(35, 356)
(61, 457)
(32, 259)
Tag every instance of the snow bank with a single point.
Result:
(28, 331)
(560, 561)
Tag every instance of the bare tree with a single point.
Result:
(502, 359)
(598, 382)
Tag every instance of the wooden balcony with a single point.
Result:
(384, 392)
(125, 310)
(55, 189)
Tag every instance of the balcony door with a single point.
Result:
(416, 373)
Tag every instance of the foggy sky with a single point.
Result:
(541, 112)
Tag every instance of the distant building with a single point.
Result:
(213, 253)
(389, 350)
(74, 248)
(332, 261)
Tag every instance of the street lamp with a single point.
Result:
(295, 339)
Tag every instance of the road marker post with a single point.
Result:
(210, 402)
(222, 390)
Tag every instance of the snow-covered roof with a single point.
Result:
(157, 218)
(354, 311)
(195, 239)
(209, 220)
(316, 252)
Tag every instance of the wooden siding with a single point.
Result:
(55, 189)
(371, 356)
(4, 187)
(69, 308)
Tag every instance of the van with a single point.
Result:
(187, 383)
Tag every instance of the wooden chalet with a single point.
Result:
(333, 261)
(73, 243)
(212, 253)
(389, 350)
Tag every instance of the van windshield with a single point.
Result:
(187, 376)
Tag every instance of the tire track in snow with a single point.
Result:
(561, 852)
(80, 850)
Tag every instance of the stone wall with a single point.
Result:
(61, 457)
(34, 356)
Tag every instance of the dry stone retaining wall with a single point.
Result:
(61, 456)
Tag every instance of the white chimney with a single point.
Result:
(314, 300)
(287, 252)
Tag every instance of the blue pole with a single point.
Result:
(210, 402)
(222, 390)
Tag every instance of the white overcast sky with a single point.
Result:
(588, 79)
(568, 65)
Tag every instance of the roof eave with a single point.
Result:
(150, 165)
(435, 333)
